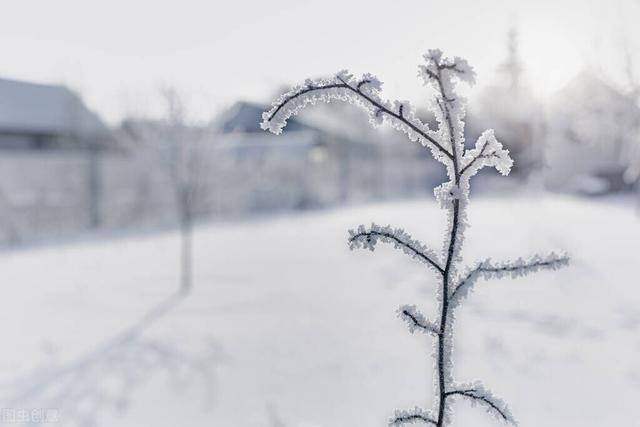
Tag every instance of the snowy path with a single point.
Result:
(288, 328)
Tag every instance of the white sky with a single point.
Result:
(118, 53)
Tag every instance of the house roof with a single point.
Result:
(587, 90)
(50, 110)
(245, 117)
(241, 125)
(590, 115)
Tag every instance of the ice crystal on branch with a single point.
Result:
(367, 238)
(441, 74)
(441, 71)
(364, 92)
(479, 395)
(447, 193)
(416, 415)
(517, 268)
(416, 320)
(487, 152)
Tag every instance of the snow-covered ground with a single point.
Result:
(288, 328)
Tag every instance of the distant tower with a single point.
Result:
(512, 68)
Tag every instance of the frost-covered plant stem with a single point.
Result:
(447, 146)
(446, 274)
(442, 336)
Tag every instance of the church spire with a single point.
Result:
(512, 67)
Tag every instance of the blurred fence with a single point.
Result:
(45, 194)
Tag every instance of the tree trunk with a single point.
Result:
(186, 261)
(94, 186)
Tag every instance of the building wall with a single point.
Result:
(49, 193)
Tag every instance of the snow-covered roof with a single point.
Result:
(589, 125)
(587, 90)
(589, 110)
(245, 117)
(51, 110)
(242, 124)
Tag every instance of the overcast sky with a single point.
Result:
(118, 53)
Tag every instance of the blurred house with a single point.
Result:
(589, 125)
(39, 116)
(304, 167)
(50, 178)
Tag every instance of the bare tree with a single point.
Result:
(447, 146)
(631, 150)
(183, 150)
(182, 162)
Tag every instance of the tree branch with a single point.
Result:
(378, 106)
(407, 417)
(310, 88)
(514, 268)
(482, 396)
(416, 321)
(479, 156)
(368, 238)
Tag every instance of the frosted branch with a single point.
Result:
(416, 415)
(416, 320)
(363, 92)
(517, 268)
(441, 74)
(439, 67)
(487, 152)
(368, 238)
(478, 394)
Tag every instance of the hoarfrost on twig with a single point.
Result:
(516, 268)
(416, 320)
(415, 415)
(478, 394)
(367, 238)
